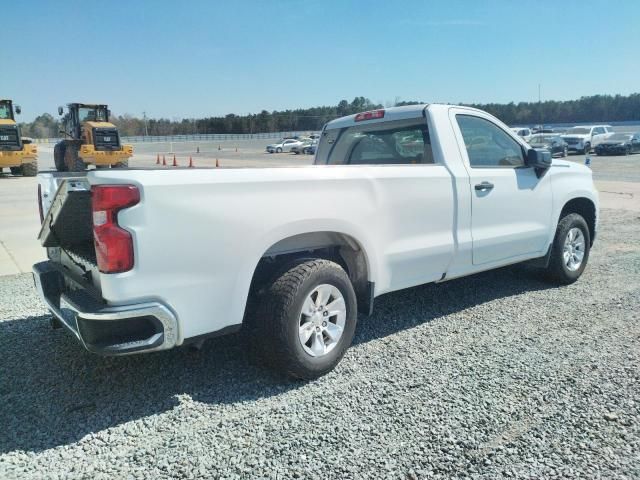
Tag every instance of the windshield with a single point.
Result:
(92, 114)
(5, 111)
(579, 131)
(621, 137)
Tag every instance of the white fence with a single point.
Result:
(205, 137)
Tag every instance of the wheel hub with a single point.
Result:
(574, 248)
(322, 320)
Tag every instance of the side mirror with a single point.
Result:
(540, 159)
(60, 110)
(18, 109)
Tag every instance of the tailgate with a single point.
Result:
(67, 232)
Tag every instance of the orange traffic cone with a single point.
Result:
(174, 164)
(158, 159)
(190, 162)
(164, 161)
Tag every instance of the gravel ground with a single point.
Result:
(496, 375)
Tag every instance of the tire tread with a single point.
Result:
(272, 315)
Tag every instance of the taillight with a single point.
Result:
(373, 114)
(40, 210)
(114, 245)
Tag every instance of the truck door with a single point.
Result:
(510, 206)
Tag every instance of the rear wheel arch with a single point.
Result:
(339, 247)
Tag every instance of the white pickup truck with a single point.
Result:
(584, 138)
(143, 260)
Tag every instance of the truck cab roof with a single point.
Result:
(390, 114)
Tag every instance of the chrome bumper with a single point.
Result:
(103, 329)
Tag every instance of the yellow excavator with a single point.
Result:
(16, 153)
(89, 138)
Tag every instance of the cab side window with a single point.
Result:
(488, 146)
(390, 143)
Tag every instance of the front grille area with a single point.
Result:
(9, 138)
(106, 139)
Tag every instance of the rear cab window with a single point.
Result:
(401, 142)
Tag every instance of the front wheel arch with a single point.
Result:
(586, 209)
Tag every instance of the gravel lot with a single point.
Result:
(496, 375)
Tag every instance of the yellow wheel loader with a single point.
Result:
(89, 138)
(16, 153)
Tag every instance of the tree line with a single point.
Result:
(596, 108)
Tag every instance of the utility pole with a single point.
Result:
(540, 107)
(146, 130)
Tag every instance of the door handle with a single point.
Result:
(484, 186)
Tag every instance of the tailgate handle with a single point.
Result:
(484, 186)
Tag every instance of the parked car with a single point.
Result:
(549, 141)
(298, 149)
(583, 138)
(620, 144)
(523, 132)
(284, 145)
(297, 251)
(311, 149)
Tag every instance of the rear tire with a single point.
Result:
(571, 243)
(15, 170)
(122, 164)
(72, 160)
(288, 311)
(58, 157)
(30, 169)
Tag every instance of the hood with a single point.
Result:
(581, 136)
(571, 165)
(614, 142)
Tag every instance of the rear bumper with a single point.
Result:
(103, 329)
(89, 154)
(17, 158)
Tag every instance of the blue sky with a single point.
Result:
(183, 59)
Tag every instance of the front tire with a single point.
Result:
(570, 250)
(587, 149)
(278, 150)
(306, 319)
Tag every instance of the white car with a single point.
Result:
(143, 260)
(523, 132)
(284, 145)
(584, 138)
